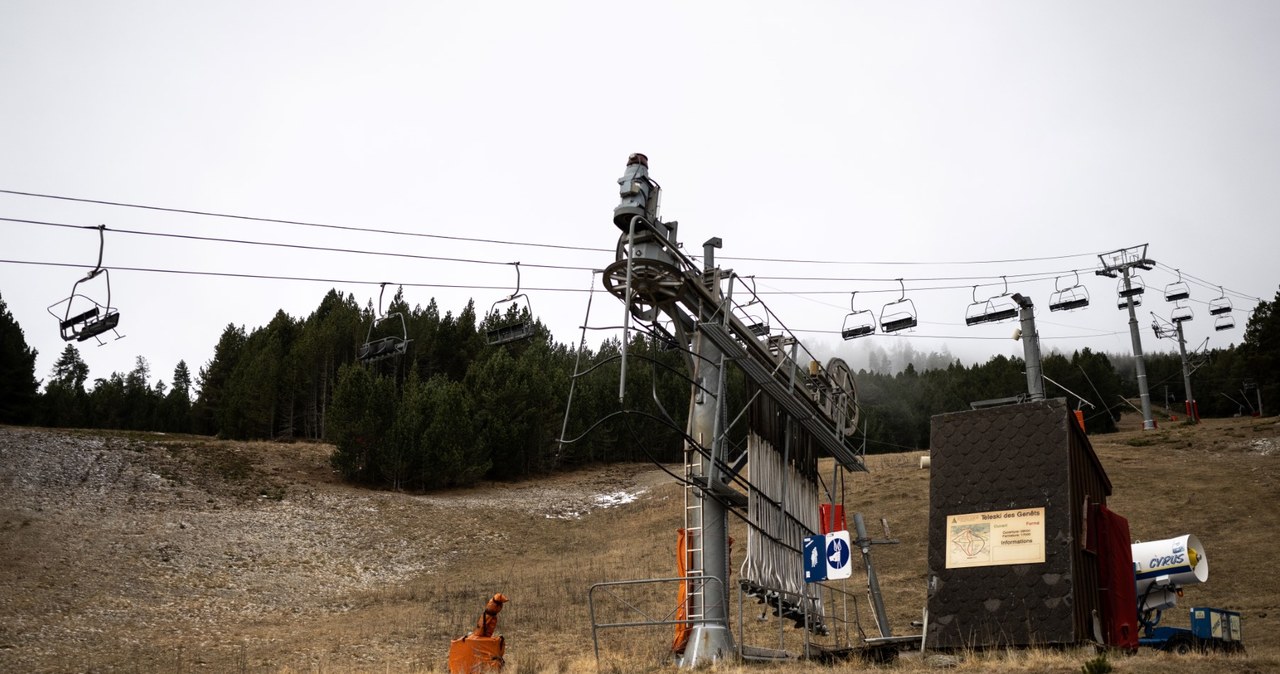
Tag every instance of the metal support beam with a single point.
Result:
(1148, 423)
(1030, 347)
(873, 582)
(709, 640)
(1124, 261)
(1192, 413)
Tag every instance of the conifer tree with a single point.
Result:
(18, 385)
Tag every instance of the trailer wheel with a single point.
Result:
(1181, 646)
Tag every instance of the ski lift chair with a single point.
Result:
(1069, 298)
(859, 322)
(1123, 303)
(1181, 313)
(1224, 322)
(521, 328)
(991, 310)
(387, 346)
(1136, 287)
(518, 329)
(90, 323)
(98, 318)
(899, 314)
(1177, 290)
(1221, 305)
(757, 325)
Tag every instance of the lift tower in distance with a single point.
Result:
(1121, 263)
(1172, 329)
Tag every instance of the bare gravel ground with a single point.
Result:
(126, 552)
(140, 552)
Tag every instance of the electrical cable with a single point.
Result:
(299, 223)
(274, 277)
(909, 262)
(969, 337)
(1208, 285)
(372, 230)
(296, 246)
(1038, 276)
(1025, 278)
(455, 286)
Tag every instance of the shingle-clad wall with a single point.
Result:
(1012, 459)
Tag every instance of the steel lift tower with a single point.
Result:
(1172, 329)
(657, 281)
(1121, 263)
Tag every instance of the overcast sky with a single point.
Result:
(928, 134)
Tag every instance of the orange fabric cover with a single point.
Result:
(472, 654)
(487, 624)
(683, 561)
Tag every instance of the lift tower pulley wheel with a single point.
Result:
(654, 283)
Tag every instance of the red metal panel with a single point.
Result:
(1119, 596)
(825, 511)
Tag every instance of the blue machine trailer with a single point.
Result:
(1212, 629)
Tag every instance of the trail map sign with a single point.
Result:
(995, 538)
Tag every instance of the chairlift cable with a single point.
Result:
(1024, 278)
(296, 246)
(885, 279)
(273, 277)
(299, 223)
(375, 230)
(907, 262)
(1207, 285)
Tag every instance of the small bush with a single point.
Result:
(1098, 665)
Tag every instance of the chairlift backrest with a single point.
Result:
(388, 346)
(1177, 290)
(1224, 322)
(522, 326)
(858, 323)
(1069, 298)
(1136, 287)
(991, 310)
(1221, 305)
(511, 331)
(92, 322)
(1123, 302)
(1181, 313)
(900, 314)
(94, 328)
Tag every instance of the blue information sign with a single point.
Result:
(815, 561)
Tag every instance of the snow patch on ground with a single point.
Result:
(617, 498)
(1264, 446)
(598, 502)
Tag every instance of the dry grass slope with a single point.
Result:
(148, 553)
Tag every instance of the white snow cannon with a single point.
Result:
(1162, 568)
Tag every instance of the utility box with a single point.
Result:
(1010, 496)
